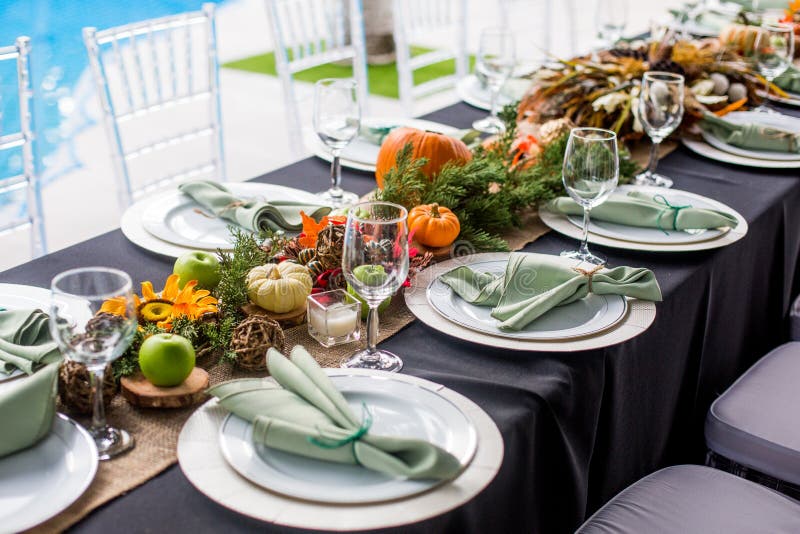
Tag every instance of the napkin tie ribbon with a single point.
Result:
(588, 273)
(328, 443)
(232, 205)
(660, 199)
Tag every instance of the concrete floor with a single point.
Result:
(253, 119)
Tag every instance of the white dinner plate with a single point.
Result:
(653, 235)
(469, 90)
(17, 296)
(774, 120)
(587, 316)
(706, 150)
(177, 219)
(362, 155)
(792, 99)
(41, 481)
(398, 408)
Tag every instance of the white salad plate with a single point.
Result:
(361, 154)
(668, 236)
(398, 408)
(792, 99)
(706, 150)
(471, 92)
(638, 317)
(629, 235)
(774, 120)
(584, 317)
(17, 296)
(202, 461)
(41, 481)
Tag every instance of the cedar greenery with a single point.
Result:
(487, 193)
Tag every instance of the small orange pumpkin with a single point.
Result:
(437, 148)
(433, 225)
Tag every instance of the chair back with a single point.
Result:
(310, 33)
(413, 21)
(153, 79)
(533, 35)
(20, 192)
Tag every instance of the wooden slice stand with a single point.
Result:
(439, 254)
(141, 392)
(286, 320)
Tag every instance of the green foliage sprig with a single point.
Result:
(234, 266)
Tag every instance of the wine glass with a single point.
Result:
(611, 17)
(660, 110)
(101, 340)
(773, 51)
(495, 61)
(337, 117)
(590, 174)
(375, 264)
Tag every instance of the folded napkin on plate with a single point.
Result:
(252, 214)
(25, 341)
(751, 136)
(533, 284)
(789, 80)
(27, 408)
(310, 417)
(375, 134)
(648, 211)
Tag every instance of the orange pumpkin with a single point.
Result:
(433, 225)
(437, 148)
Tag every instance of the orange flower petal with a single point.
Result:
(147, 291)
(171, 287)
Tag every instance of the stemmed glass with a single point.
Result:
(375, 264)
(101, 340)
(337, 117)
(611, 17)
(590, 174)
(496, 59)
(773, 51)
(660, 110)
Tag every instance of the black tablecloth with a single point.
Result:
(577, 427)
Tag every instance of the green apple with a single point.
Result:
(198, 265)
(371, 275)
(364, 308)
(166, 359)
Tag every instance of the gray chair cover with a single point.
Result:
(694, 499)
(794, 320)
(756, 422)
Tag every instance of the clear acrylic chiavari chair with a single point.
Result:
(309, 33)
(158, 85)
(23, 188)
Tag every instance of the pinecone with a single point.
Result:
(291, 249)
(553, 129)
(104, 322)
(74, 387)
(330, 245)
(637, 53)
(251, 340)
(667, 65)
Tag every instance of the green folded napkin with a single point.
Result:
(375, 134)
(751, 136)
(252, 214)
(27, 408)
(647, 211)
(534, 284)
(306, 415)
(25, 341)
(789, 80)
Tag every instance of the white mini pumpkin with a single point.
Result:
(279, 288)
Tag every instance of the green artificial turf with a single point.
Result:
(382, 78)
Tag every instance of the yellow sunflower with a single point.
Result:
(172, 302)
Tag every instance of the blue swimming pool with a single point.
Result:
(58, 60)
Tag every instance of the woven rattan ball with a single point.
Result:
(251, 340)
(75, 389)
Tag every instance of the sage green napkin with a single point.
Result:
(789, 80)
(252, 214)
(534, 284)
(375, 134)
(27, 408)
(648, 211)
(25, 341)
(306, 415)
(751, 136)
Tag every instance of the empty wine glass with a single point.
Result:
(98, 342)
(660, 110)
(611, 18)
(337, 117)
(495, 61)
(773, 51)
(590, 174)
(375, 264)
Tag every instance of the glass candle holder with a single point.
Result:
(334, 317)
